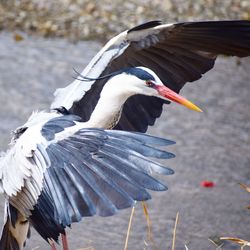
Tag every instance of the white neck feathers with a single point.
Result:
(113, 96)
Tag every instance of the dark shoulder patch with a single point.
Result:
(146, 25)
(57, 125)
(18, 132)
(62, 110)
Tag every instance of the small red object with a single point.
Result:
(207, 184)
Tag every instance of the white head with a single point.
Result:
(141, 80)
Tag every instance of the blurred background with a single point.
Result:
(40, 43)
(93, 19)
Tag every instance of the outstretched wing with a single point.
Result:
(177, 53)
(84, 171)
(94, 171)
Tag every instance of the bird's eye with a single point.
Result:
(150, 84)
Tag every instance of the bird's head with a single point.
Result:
(141, 80)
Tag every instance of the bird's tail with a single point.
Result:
(15, 231)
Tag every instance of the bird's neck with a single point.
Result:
(107, 112)
(108, 109)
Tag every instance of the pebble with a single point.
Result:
(92, 19)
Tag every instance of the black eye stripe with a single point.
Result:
(140, 73)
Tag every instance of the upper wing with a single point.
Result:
(177, 53)
(83, 171)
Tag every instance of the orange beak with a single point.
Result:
(171, 95)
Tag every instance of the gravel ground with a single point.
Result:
(88, 19)
(213, 145)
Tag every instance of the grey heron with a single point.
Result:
(61, 169)
(124, 88)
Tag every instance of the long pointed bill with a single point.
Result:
(171, 95)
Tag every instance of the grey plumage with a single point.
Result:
(78, 171)
(86, 156)
(60, 169)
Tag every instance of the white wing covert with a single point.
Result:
(22, 169)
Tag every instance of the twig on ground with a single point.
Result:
(174, 232)
(129, 227)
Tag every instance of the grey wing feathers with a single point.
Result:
(100, 171)
(68, 172)
(43, 218)
(218, 37)
(57, 125)
(184, 51)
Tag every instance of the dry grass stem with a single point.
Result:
(217, 242)
(244, 186)
(129, 227)
(145, 210)
(149, 226)
(174, 232)
(241, 242)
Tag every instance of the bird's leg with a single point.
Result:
(65, 242)
(52, 244)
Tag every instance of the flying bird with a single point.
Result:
(66, 163)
